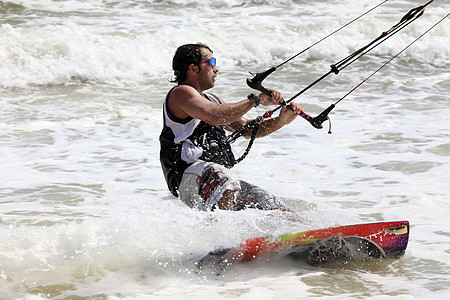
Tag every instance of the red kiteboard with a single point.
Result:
(362, 241)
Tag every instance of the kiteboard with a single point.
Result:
(359, 242)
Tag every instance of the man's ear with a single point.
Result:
(194, 68)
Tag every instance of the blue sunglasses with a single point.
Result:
(211, 61)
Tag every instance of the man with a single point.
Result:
(195, 157)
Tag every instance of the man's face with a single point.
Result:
(207, 73)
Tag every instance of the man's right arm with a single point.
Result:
(185, 101)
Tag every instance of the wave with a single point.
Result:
(115, 48)
(70, 53)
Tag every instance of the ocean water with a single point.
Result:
(85, 212)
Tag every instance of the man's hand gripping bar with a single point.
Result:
(256, 83)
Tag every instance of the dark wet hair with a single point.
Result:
(185, 56)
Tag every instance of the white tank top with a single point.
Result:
(182, 129)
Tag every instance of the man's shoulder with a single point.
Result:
(184, 88)
(182, 100)
(186, 94)
(183, 92)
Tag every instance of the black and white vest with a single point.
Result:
(185, 141)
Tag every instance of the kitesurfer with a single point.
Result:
(195, 155)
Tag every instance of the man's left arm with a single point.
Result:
(268, 126)
(286, 116)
